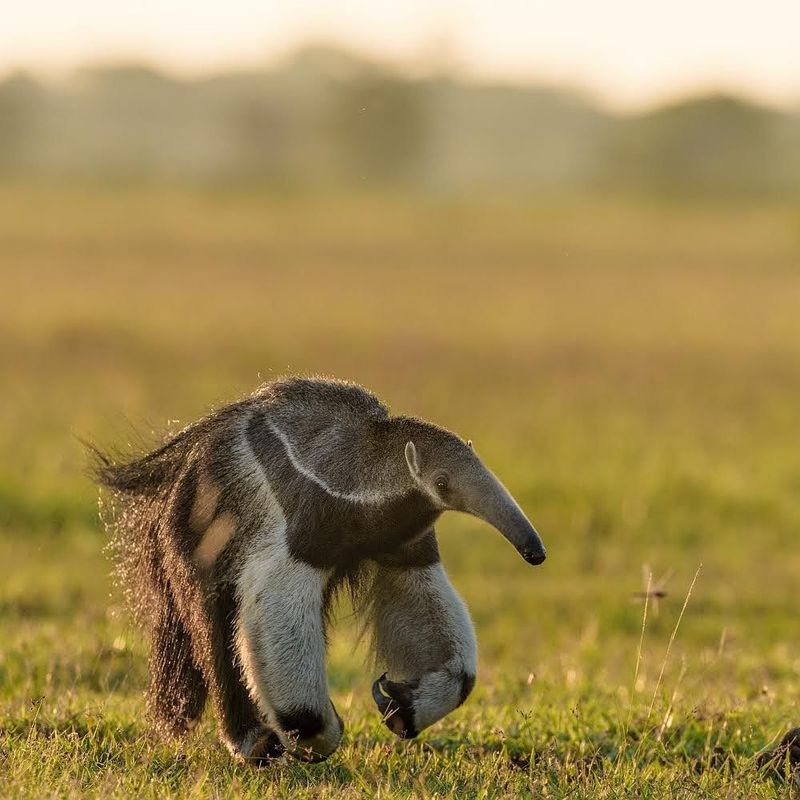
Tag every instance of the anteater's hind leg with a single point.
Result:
(193, 655)
(177, 691)
(242, 725)
(282, 646)
(202, 608)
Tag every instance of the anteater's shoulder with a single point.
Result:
(319, 397)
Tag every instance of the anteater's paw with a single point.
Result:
(260, 747)
(310, 735)
(395, 700)
(786, 756)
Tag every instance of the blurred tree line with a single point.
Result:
(327, 118)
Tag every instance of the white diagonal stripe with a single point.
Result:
(364, 496)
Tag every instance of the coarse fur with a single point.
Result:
(233, 537)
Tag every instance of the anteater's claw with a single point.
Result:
(381, 700)
(395, 702)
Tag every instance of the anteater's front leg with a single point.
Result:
(424, 635)
(282, 649)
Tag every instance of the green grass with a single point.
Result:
(629, 371)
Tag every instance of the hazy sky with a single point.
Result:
(628, 51)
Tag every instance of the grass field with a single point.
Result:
(629, 370)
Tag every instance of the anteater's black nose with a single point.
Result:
(535, 557)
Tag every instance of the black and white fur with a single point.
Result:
(233, 537)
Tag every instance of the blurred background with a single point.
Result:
(570, 232)
(696, 101)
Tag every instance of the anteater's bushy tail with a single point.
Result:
(142, 492)
(147, 475)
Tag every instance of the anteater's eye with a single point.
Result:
(441, 484)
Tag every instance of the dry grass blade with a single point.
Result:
(671, 640)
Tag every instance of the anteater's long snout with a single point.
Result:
(535, 554)
(492, 502)
(516, 527)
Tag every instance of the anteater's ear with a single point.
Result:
(469, 444)
(411, 459)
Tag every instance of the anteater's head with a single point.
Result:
(449, 471)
